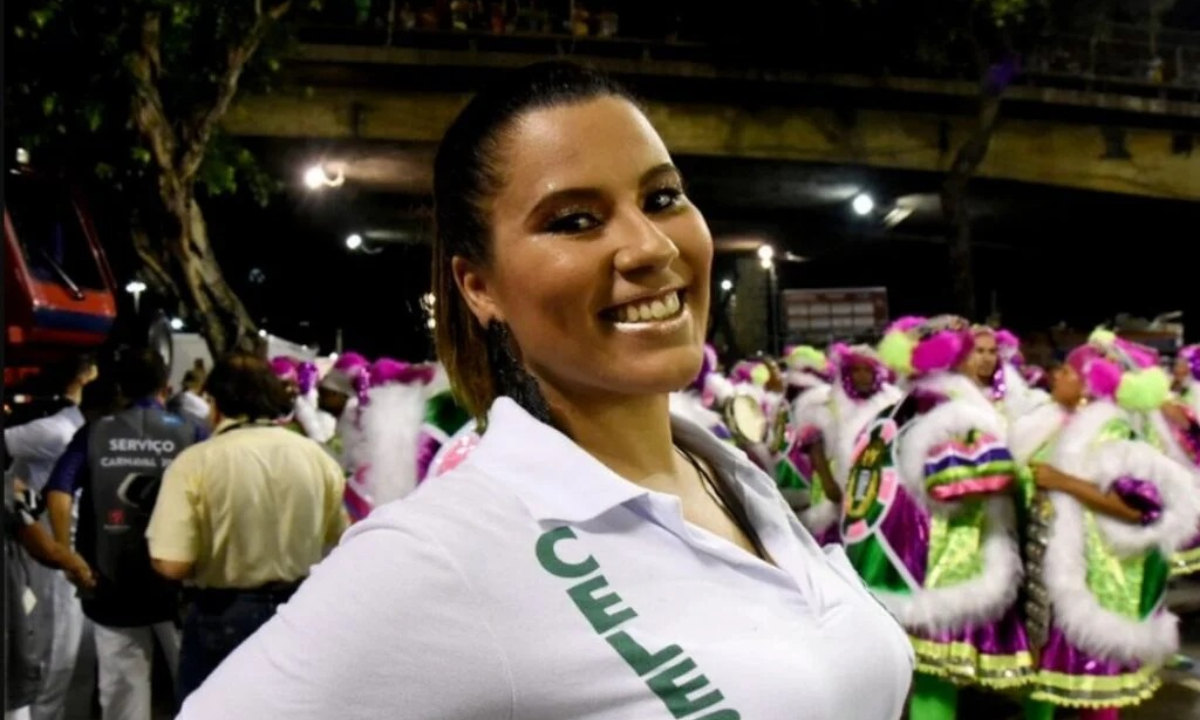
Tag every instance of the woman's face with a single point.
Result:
(862, 375)
(600, 264)
(1066, 386)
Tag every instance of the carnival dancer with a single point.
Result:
(758, 412)
(928, 520)
(338, 394)
(1110, 510)
(699, 400)
(1175, 430)
(1187, 376)
(389, 417)
(799, 427)
(996, 363)
(860, 391)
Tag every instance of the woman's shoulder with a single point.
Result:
(461, 509)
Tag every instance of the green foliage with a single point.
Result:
(68, 84)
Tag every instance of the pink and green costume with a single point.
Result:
(928, 520)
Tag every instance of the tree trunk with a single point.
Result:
(955, 210)
(180, 264)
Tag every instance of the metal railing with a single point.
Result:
(1117, 59)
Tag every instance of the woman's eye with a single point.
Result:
(572, 223)
(664, 199)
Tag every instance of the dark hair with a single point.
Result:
(141, 373)
(467, 173)
(242, 385)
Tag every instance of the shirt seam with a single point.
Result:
(476, 598)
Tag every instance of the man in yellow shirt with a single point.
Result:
(242, 517)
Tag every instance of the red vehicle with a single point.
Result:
(59, 292)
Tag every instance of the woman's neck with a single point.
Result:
(631, 435)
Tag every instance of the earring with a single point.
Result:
(510, 377)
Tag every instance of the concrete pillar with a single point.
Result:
(750, 314)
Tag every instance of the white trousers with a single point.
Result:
(125, 656)
(18, 714)
(51, 702)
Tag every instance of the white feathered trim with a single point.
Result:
(1161, 427)
(1020, 399)
(688, 405)
(391, 421)
(955, 386)
(720, 387)
(950, 420)
(1030, 432)
(1102, 464)
(856, 417)
(308, 415)
(1083, 620)
(980, 600)
(811, 409)
(820, 517)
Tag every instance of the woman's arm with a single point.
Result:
(385, 627)
(1108, 503)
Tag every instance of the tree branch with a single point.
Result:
(145, 64)
(200, 132)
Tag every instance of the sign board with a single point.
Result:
(826, 314)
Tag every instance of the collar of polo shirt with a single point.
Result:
(534, 457)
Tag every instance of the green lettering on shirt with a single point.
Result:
(555, 565)
(601, 611)
(596, 608)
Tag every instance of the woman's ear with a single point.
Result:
(476, 290)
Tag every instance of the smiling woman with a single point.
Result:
(593, 557)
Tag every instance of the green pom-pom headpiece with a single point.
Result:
(1102, 337)
(807, 356)
(1144, 390)
(760, 375)
(896, 351)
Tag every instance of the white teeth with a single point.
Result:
(660, 309)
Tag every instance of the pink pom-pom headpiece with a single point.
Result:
(285, 369)
(386, 371)
(1103, 361)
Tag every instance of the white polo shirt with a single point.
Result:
(533, 583)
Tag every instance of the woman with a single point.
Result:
(860, 392)
(928, 519)
(590, 558)
(1112, 510)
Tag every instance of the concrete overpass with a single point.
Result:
(1109, 141)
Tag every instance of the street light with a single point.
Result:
(766, 256)
(317, 177)
(726, 285)
(136, 288)
(354, 242)
(862, 204)
(176, 324)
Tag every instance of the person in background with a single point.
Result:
(241, 518)
(189, 402)
(34, 448)
(29, 658)
(116, 465)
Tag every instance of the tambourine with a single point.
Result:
(746, 420)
